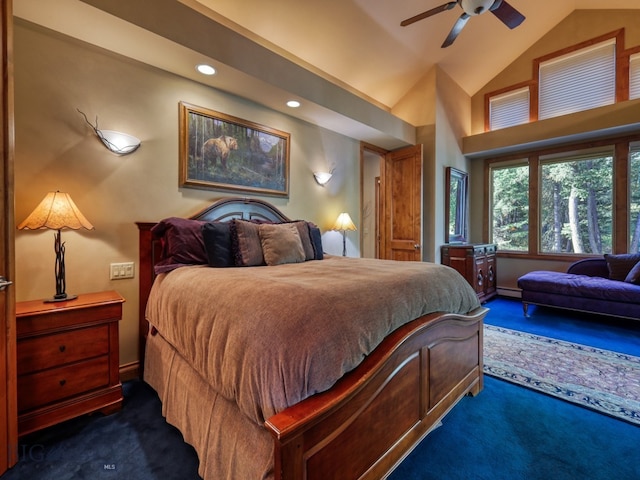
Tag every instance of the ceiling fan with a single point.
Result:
(501, 9)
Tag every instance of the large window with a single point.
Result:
(576, 204)
(510, 206)
(634, 200)
(564, 202)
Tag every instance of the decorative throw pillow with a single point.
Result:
(217, 243)
(620, 265)
(634, 275)
(182, 243)
(316, 241)
(281, 243)
(305, 238)
(245, 243)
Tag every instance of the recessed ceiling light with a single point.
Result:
(206, 69)
(293, 103)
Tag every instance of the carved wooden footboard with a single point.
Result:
(374, 416)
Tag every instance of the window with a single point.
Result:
(509, 109)
(510, 206)
(634, 76)
(634, 200)
(576, 198)
(578, 81)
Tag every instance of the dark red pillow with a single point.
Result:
(182, 243)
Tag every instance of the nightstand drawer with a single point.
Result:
(48, 386)
(44, 352)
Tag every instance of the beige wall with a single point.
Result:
(442, 109)
(57, 150)
(580, 26)
(452, 124)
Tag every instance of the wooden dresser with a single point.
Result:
(475, 262)
(68, 361)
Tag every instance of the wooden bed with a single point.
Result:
(374, 415)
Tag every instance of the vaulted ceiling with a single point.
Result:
(361, 42)
(351, 51)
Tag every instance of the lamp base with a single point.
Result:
(60, 298)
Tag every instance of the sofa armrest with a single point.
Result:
(593, 267)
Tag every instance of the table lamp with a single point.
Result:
(344, 223)
(57, 211)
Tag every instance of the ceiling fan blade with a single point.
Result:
(428, 13)
(455, 31)
(507, 14)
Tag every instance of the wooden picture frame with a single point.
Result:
(219, 151)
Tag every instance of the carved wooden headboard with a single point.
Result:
(222, 210)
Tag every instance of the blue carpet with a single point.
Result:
(133, 444)
(598, 331)
(510, 433)
(507, 432)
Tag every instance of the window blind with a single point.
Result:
(509, 109)
(634, 76)
(578, 81)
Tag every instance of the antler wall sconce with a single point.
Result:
(117, 142)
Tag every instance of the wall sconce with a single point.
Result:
(344, 223)
(57, 211)
(117, 142)
(323, 177)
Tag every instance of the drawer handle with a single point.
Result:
(62, 348)
(62, 382)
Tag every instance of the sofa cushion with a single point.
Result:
(634, 275)
(621, 265)
(579, 286)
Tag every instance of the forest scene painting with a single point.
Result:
(221, 151)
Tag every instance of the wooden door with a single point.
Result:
(8, 397)
(402, 205)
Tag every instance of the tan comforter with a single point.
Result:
(268, 337)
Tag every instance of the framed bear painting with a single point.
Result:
(219, 151)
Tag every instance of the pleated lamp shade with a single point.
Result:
(56, 211)
(344, 222)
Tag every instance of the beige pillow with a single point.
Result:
(247, 250)
(281, 243)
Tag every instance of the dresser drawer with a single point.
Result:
(38, 389)
(49, 351)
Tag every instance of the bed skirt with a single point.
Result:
(228, 444)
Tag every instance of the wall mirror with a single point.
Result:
(456, 183)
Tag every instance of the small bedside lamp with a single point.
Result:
(57, 211)
(344, 223)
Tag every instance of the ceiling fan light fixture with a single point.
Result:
(471, 8)
(476, 7)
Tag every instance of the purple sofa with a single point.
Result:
(607, 286)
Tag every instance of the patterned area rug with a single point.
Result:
(605, 381)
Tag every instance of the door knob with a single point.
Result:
(416, 246)
(4, 283)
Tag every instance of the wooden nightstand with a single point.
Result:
(67, 359)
